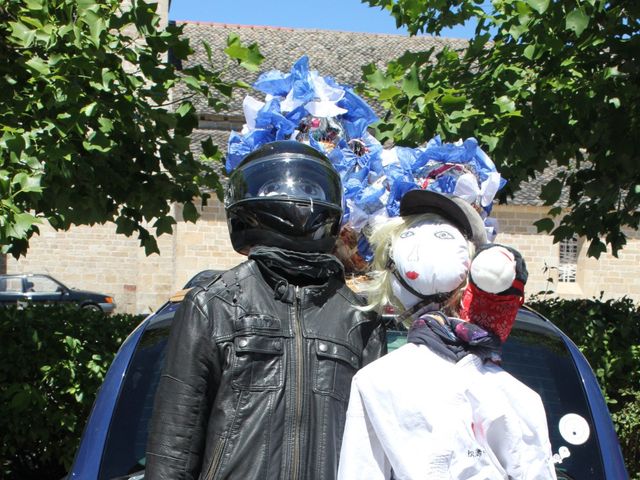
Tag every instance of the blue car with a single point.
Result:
(583, 439)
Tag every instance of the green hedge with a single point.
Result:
(608, 334)
(52, 362)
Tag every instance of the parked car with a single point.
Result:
(23, 289)
(584, 443)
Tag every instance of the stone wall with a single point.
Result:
(610, 276)
(96, 258)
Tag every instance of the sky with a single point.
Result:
(342, 15)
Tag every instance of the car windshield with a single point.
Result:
(538, 358)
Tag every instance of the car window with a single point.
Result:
(543, 362)
(532, 354)
(11, 285)
(42, 285)
(124, 452)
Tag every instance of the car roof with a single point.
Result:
(21, 275)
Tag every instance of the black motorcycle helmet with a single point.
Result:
(284, 194)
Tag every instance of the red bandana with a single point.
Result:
(495, 313)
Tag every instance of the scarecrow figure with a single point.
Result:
(440, 407)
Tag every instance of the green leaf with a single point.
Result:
(555, 211)
(34, 4)
(529, 51)
(577, 20)
(596, 247)
(209, 149)
(22, 223)
(21, 34)
(96, 25)
(544, 225)
(184, 109)
(248, 57)
(505, 104)
(389, 92)
(38, 65)
(30, 183)
(411, 84)
(516, 31)
(189, 212)
(106, 125)
(108, 76)
(550, 192)
(376, 78)
(449, 100)
(242, 84)
(539, 6)
(611, 72)
(164, 225)
(207, 49)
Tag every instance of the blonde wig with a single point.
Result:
(377, 288)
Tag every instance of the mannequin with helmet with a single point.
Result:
(440, 406)
(259, 361)
(285, 194)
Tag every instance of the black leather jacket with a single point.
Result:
(258, 371)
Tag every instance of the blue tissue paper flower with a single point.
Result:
(240, 146)
(398, 189)
(269, 117)
(359, 115)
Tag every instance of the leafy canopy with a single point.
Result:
(542, 82)
(89, 132)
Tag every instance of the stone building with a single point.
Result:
(96, 258)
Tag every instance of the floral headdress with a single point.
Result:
(305, 106)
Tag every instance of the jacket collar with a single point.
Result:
(283, 270)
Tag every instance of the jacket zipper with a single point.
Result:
(215, 461)
(298, 388)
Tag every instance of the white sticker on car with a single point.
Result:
(574, 429)
(563, 452)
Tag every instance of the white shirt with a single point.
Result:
(424, 417)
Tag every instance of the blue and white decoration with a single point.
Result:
(302, 105)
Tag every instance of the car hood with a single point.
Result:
(88, 294)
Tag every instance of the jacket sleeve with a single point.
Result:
(361, 455)
(376, 345)
(186, 390)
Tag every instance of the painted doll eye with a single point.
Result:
(407, 234)
(442, 235)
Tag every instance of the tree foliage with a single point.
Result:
(541, 82)
(53, 360)
(89, 132)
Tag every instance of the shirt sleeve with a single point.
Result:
(361, 455)
(185, 393)
(514, 429)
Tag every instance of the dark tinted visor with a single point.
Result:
(294, 177)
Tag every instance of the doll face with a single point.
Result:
(431, 258)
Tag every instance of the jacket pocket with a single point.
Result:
(335, 365)
(257, 362)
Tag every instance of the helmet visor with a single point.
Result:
(289, 178)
